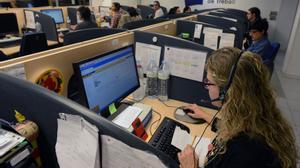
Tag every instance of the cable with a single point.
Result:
(155, 122)
(207, 127)
(167, 104)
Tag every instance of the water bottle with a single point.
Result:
(152, 79)
(68, 23)
(163, 80)
(38, 27)
(139, 94)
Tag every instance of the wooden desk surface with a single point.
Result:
(10, 51)
(195, 129)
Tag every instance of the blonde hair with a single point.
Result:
(250, 105)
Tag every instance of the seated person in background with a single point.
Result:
(158, 12)
(261, 44)
(116, 14)
(187, 9)
(175, 10)
(251, 133)
(253, 15)
(84, 15)
(130, 16)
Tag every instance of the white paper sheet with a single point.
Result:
(181, 138)
(127, 116)
(197, 31)
(77, 143)
(211, 30)
(227, 40)
(17, 71)
(185, 63)
(30, 21)
(144, 53)
(117, 154)
(211, 41)
(202, 149)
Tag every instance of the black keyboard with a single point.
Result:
(162, 137)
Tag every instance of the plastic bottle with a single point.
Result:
(163, 81)
(139, 94)
(151, 79)
(38, 27)
(68, 23)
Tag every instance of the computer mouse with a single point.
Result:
(181, 114)
(187, 110)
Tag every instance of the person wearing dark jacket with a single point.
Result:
(84, 18)
(251, 133)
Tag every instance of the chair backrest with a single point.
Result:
(48, 25)
(33, 43)
(270, 57)
(164, 9)
(142, 23)
(87, 34)
(275, 47)
(3, 57)
(145, 11)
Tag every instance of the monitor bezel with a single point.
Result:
(82, 94)
(17, 32)
(62, 13)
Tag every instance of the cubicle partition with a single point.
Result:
(43, 107)
(224, 23)
(183, 26)
(180, 89)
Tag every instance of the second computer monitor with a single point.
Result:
(56, 14)
(9, 24)
(107, 79)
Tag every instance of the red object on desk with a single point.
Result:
(139, 129)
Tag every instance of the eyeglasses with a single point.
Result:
(253, 31)
(207, 83)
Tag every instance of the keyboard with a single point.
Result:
(8, 42)
(162, 137)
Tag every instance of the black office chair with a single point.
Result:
(3, 57)
(87, 34)
(33, 43)
(142, 23)
(270, 57)
(164, 9)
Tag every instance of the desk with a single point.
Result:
(10, 51)
(195, 129)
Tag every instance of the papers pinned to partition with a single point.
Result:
(227, 40)
(198, 30)
(118, 154)
(186, 63)
(146, 52)
(211, 36)
(77, 143)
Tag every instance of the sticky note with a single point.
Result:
(112, 108)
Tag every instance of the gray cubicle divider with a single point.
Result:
(180, 89)
(48, 25)
(185, 26)
(224, 23)
(43, 107)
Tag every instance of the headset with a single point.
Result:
(224, 90)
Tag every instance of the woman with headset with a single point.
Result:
(251, 132)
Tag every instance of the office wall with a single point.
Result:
(285, 22)
(291, 64)
(266, 7)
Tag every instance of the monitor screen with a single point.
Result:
(9, 24)
(107, 78)
(56, 14)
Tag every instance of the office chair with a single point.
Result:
(3, 57)
(270, 57)
(164, 9)
(33, 43)
(87, 34)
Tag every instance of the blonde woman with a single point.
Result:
(251, 132)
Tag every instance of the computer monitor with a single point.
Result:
(9, 24)
(29, 19)
(107, 79)
(56, 14)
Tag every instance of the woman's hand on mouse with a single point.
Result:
(198, 112)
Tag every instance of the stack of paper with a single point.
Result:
(77, 143)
